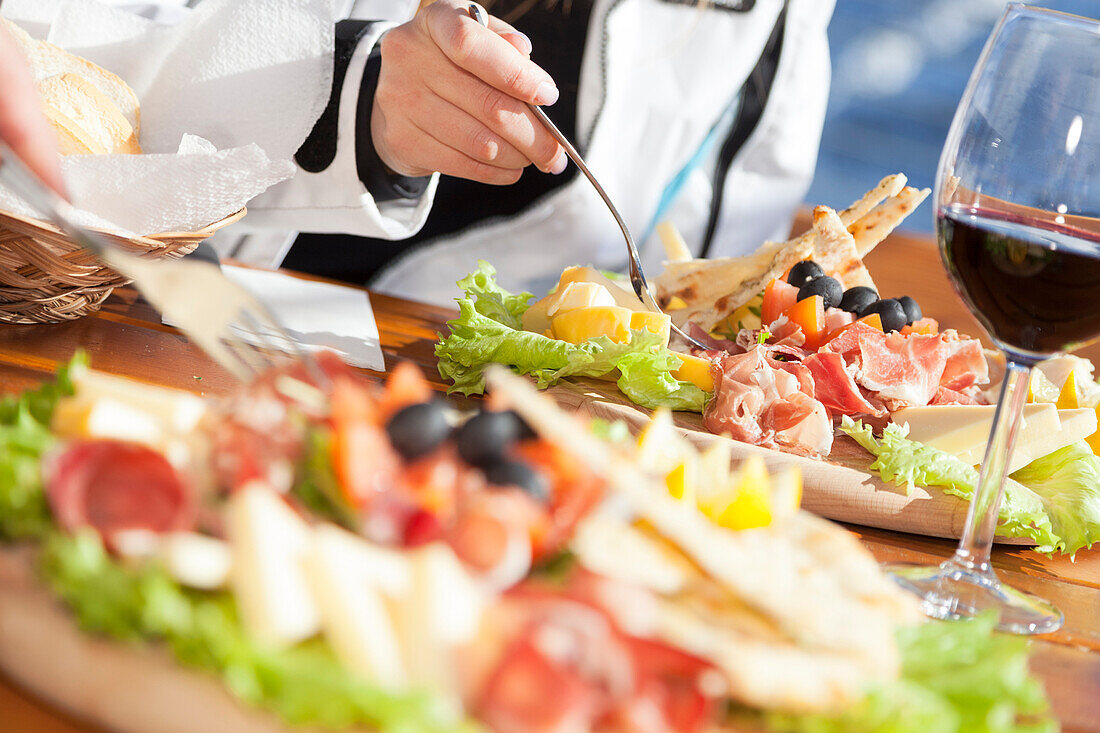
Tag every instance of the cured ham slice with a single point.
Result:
(835, 388)
(966, 366)
(763, 401)
(909, 370)
(114, 486)
(968, 396)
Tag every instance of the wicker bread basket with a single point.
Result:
(45, 278)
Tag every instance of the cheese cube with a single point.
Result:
(349, 578)
(577, 326)
(269, 543)
(695, 369)
(106, 418)
(578, 295)
(658, 323)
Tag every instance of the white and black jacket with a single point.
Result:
(658, 80)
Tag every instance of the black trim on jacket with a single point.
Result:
(754, 98)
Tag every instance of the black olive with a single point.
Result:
(857, 298)
(890, 311)
(911, 308)
(526, 432)
(485, 437)
(803, 272)
(827, 287)
(418, 429)
(516, 473)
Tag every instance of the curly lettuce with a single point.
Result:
(1068, 483)
(487, 331)
(956, 677)
(304, 685)
(909, 463)
(24, 437)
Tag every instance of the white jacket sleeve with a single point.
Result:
(327, 193)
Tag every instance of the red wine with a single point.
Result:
(1034, 284)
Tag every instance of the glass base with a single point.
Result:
(960, 589)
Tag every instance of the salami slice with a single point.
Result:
(115, 486)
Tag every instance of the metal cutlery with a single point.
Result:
(219, 316)
(637, 276)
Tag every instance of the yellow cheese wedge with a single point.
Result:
(579, 325)
(695, 369)
(676, 303)
(658, 323)
(681, 481)
(535, 319)
(1067, 397)
(1094, 439)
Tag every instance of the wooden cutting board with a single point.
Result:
(841, 488)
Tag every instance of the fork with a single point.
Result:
(637, 276)
(218, 315)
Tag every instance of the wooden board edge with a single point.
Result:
(125, 688)
(837, 492)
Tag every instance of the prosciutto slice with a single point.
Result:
(835, 387)
(767, 402)
(909, 371)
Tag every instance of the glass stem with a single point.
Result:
(981, 521)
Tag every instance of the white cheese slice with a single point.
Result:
(178, 410)
(963, 430)
(347, 575)
(269, 543)
(578, 295)
(442, 609)
(106, 418)
(196, 560)
(1076, 425)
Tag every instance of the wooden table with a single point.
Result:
(127, 338)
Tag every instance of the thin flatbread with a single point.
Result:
(712, 289)
(883, 219)
(887, 188)
(835, 250)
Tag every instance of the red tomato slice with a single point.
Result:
(405, 386)
(574, 492)
(530, 693)
(925, 326)
(363, 460)
(779, 296)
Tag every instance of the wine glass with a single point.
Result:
(1016, 200)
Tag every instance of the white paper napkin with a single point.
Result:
(318, 315)
(227, 96)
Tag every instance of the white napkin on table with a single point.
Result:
(318, 315)
(227, 96)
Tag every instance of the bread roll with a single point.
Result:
(92, 110)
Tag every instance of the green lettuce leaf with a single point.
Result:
(956, 677)
(316, 485)
(477, 340)
(304, 685)
(491, 300)
(647, 380)
(1068, 483)
(482, 334)
(24, 437)
(909, 463)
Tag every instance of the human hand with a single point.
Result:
(451, 98)
(22, 125)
